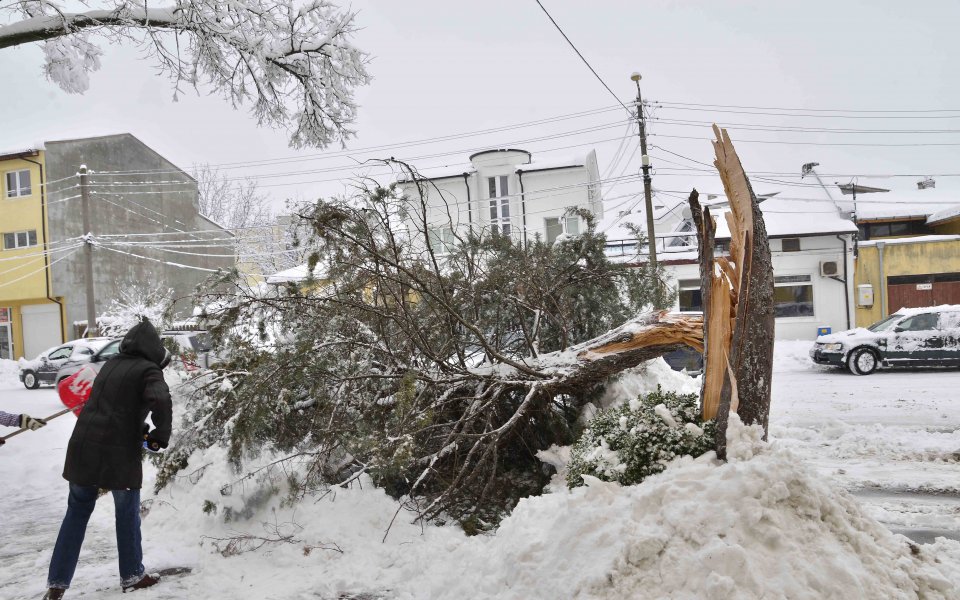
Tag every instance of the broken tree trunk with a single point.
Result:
(738, 302)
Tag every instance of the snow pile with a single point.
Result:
(761, 525)
(792, 355)
(644, 379)
(9, 370)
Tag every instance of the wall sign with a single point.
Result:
(924, 286)
(4, 314)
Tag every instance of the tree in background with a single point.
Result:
(135, 303)
(292, 62)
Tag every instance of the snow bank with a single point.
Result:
(9, 370)
(760, 526)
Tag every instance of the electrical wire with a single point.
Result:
(40, 270)
(589, 66)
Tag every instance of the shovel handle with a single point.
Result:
(53, 416)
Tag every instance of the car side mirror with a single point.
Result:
(898, 329)
(94, 358)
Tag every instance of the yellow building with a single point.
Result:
(26, 303)
(918, 267)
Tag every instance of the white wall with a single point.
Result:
(829, 307)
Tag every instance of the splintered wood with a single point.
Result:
(737, 299)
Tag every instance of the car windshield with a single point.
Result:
(884, 324)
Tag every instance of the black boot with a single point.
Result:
(146, 581)
(54, 594)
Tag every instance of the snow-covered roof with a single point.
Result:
(929, 309)
(787, 217)
(296, 274)
(903, 204)
(19, 152)
(946, 214)
(564, 162)
(917, 239)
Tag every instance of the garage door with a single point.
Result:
(916, 291)
(41, 328)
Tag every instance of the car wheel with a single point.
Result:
(862, 361)
(30, 380)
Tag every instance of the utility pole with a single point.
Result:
(88, 252)
(645, 163)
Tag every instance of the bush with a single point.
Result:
(630, 442)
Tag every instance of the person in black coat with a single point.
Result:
(106, 450)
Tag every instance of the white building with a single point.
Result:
(812, 250)
(506, 192)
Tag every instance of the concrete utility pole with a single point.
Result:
(645, 163)
(88, 252)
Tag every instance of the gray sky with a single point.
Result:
(443, 67)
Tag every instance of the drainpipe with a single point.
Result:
(523, 206)
(466, 184)
(883, 281)
(846, 288)
(46, 257)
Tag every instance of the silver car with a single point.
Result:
(111, 348)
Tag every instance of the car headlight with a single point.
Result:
(836, 346)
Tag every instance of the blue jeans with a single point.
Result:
(79, 508)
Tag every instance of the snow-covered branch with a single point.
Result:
(293, 62)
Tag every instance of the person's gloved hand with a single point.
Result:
(152, 444)
(28, 422)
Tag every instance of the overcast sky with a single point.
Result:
(446, 67)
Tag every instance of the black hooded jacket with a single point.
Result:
(106, 447)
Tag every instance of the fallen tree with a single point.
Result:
(441, 374)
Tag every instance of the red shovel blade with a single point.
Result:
(74, 390)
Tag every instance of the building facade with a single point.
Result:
(138, 200)
(506, 192)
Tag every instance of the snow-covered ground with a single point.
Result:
(892, 439)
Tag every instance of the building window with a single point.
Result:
(869, 231)
(499, 205)
(18, 183)
(441, 239)
(555, 226)
(691, 298)
(790, 244)
(686, 241)
(793, 296)
(19, 239)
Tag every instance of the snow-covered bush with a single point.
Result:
(629, 442)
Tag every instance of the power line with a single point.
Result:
(592, 70)
(850, 110)
(793, 143)
(798, 115)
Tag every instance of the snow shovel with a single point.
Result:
(53, 416)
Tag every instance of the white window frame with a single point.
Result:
(569, 225)
(499, 204)
(794, 280)
(16, 239)
(441, 239)
(17, 190)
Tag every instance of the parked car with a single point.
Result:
(909, 337)
(192, 347)
(43, 369)
(96, 361)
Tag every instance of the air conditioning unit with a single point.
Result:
(829, 268)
